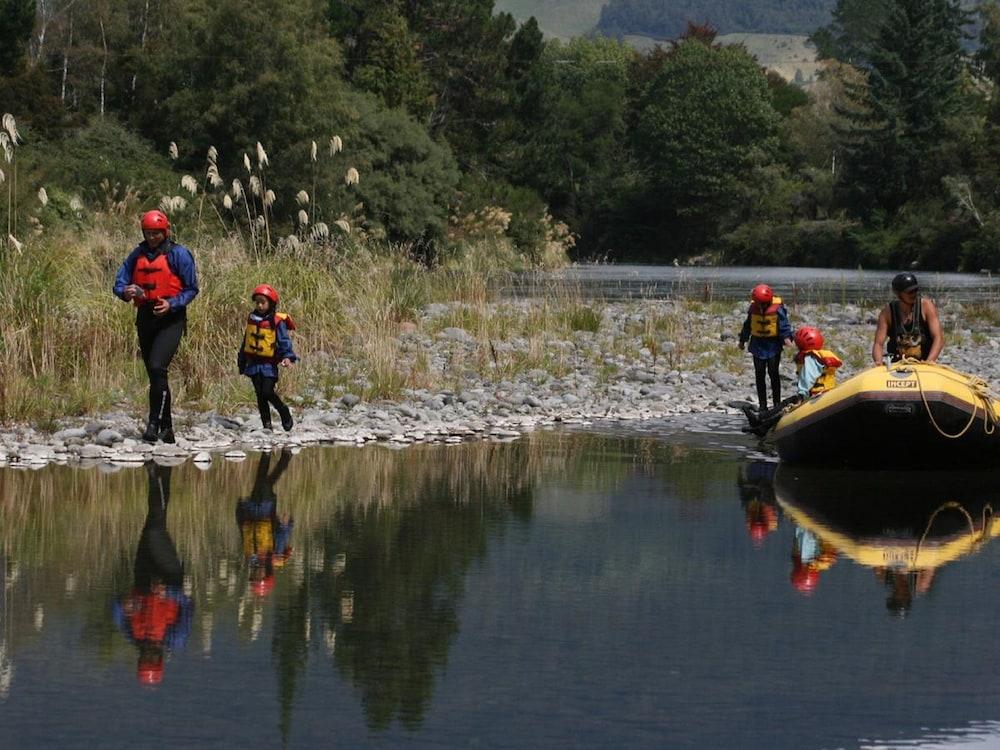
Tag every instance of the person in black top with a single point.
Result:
(909, 325)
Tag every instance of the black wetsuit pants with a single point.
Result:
(770, 366)
(159, 338)
(263, 386)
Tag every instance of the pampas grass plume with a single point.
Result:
(320, 231)
(254, 184)
(227, 202)
(344, 224)
(14, 243)
(237, 189)
(43, 196)
(269, 197)
(214, 178)
(302, 198)
(312, 151)
(336, 145)
(261, 156)
(190, 184)
(213, 154)
(352, 177)
(246, 161)
(10, 125)
(174, 153)
(303, 217)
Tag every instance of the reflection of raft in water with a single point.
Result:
(900, 520)
(905, 415)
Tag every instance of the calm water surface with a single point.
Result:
(563, 590)
(795, 285)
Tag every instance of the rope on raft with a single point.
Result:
(982, 397)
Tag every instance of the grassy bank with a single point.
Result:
(70, 347)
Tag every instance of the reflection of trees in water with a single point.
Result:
(383, 541)
(390, 600)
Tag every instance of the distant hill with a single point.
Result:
(558, 18)
(667, 19)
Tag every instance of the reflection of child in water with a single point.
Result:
(155, 614)
(266, 536)
(755, 482)
(810, 557)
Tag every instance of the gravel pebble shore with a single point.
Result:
(599, 379)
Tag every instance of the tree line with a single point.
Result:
(457, 121)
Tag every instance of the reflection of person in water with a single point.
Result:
(810, 557)
(903, 585)
(756, 487)
(156, 614)
(266, 536)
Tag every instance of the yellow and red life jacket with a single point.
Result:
(261, 336)
(828, 377)
(764, 320)
(157, 279)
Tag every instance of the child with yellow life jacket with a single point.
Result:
(266, 346)
(815, 366)
(767, 329)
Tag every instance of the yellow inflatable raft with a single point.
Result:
(908, 414)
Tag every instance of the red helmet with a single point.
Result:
(262, 587)
(266, 290)
(758, 530)
(150, 672)
(762, 294)
(804, 578)
(155, 220)
(808, 338)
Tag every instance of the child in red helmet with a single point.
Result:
(815, 366)
(266, 346)
(766, 328)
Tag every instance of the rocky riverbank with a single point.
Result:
(627, 363)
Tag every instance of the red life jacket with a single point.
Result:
(156, 278)
(152, 616)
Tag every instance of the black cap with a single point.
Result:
(904, 282)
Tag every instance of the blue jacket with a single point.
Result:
(179, 259)
(766, 348)
(250, 365)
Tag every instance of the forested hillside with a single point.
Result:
(426, 127)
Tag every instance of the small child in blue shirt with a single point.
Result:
(266, 346)
(767, 329)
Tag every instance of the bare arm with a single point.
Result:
(881, 331)
(929, 311)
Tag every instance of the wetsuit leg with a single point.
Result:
(266, 391)
(772, 371)
(759, 367)
(158, 341)
(263, 386)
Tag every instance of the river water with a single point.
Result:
(795, 285)
(669, 588)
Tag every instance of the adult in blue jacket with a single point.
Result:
(159, 278)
